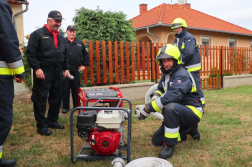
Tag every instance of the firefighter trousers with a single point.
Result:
(177, 118)
(74, 86)
(52, 85)
(6, 109)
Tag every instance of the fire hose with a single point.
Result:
(142, 162)
(148, 99)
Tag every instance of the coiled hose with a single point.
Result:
(142, 162)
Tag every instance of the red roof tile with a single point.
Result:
(166, 13)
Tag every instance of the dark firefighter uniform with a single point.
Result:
(189, 50)
(77, 56)
(178, 99)
(10, 64)
(50, 56)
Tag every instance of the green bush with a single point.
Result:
(28, 78)
(217, 73)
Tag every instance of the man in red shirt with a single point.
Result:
(46, 54)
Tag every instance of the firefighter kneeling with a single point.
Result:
(178, 99)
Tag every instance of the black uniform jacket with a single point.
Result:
(189, 50)
(10, 55)
(77, 54)
(42, 53)
(179, 88)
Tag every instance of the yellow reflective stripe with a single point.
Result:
(194, 89)
(1, 153)
(5, 71)
(171, 135)
(160, 93)
(203, 102)
(19, 70)
(155, 106)
(194, 69)
(183, 47)
(179, 138)
(196, 111)
(196, 44)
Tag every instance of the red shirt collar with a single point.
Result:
(56, 33)
(70, 39)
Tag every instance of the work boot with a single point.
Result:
(193, 131)
(55, 125)
(44, 131)
(166, 152)
(7, 162)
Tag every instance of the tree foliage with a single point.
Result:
(103, 26)
(99, 25)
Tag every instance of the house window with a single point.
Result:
(205, 41)
(232, 42)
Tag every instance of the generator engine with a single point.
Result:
(102, 129)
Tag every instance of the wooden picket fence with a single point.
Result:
(123, 62)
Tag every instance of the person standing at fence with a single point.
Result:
(10, 63)
(188, 46)
(46, 54)
(78, 57)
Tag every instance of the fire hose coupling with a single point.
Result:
(118, 162)
(142, 162)
(69, 76)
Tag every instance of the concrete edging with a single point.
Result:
(237, 80)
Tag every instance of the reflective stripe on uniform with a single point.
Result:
(183, 45)
(157, 105)
(194, 67)
(171, 132)
(1, 151)
(16, 64)
(179, 138)
(194, 88)
(5, 71)
(11, 68)
(198, 111)
(159, 92)
(202, 100)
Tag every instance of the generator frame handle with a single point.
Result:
(103, 108)
(104, 98)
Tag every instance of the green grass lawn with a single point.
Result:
(226, 136)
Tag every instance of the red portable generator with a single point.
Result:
(101, 124)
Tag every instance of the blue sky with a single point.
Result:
(232, 11)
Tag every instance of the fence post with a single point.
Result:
(221, 66)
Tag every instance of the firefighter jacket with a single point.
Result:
(10, 55)
(189, 50)
(77, 54)
(178, 86)
(42, 53)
